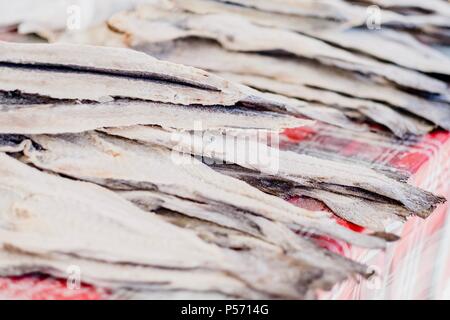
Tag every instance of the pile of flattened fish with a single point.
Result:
(159, 179)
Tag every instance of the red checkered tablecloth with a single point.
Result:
(418, 265)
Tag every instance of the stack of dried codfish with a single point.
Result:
(61, 89)
(314, 51)
(48, 18)
(99, 156)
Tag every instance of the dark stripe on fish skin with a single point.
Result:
(227, 210)
(279, 185)
(285, 188)
(233, 213)
(161, 78)
(435, 106)
(125, 185)
(390, 237)
(12, 140)
(18, 98)
(251, 7)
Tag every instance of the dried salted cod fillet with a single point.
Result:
(370, 214)
(255, 228)
(63, 71)
(290, 165)
(398, 48)
(254, 233)
(342, 14)
(211, 229)
(303, 73)
(227, 29)
(54, 217)
(310, 110)
(70, 117)
(338, 10)
(263, 228)
(100, 88)
(212, 211)
(400, 175)
(113, 61)
(29, 206)
(399, 124)
(207, 230)
(387, 45)
(118, 277)
(302, 23)
(308, 24)
(125, 164)
(430, 28)
(335, 267)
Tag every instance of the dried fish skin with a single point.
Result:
(337, 10)
(375, 111)
(115, 61)
(216, 212)
(387, 45)
(420, 57)
(73, 86)
(246, 219)
(300, 108)
(295, 167)
(47, 71)
(254, 228)
(113, 73)
(302, 73)
(119, 277)
(73, 117)
(131, 165)
(311, 257)
(226, 29)
(347, 14)
(310, 24)
(210, 231)
(13, 143)
(400, 124)
(335, 266)
(373, 215)
(28, 205)
(280, 20)
(31, 214)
